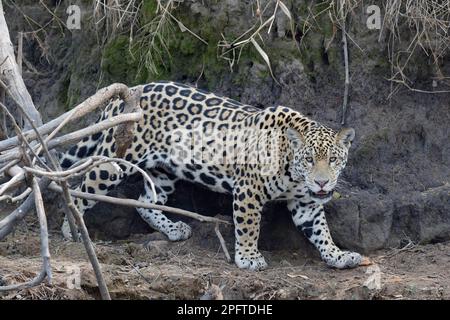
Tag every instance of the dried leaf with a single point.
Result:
(336, 195)
(365, 261)
(298, 276)
(182, 26)
(263, 55)
(285, 10)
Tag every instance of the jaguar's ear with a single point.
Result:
(345, 136)
(295, 138)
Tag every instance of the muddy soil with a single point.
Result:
(149, 267)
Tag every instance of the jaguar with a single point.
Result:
(256, 155)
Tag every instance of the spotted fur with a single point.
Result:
(296, 159)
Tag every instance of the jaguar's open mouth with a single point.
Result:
(321, 194)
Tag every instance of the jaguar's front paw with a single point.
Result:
(344, 259)
(179, 231)
(255, 262)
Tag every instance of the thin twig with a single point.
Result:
(347, 76)
(138, 204)
(73, 211)
(222, 243)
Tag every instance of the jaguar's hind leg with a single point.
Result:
(99, 180)
(165, 185)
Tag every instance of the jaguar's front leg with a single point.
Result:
(247, 208)
(309, 217)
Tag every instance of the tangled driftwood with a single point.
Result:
(29, 160)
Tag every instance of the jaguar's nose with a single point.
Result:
(321, 183)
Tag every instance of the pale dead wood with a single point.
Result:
(45, 251)
(16, 198)
(138, 204)
(8, 223)
(10, 72)
(16, 90)
(22, 154)
(347, 75)
(89, 105)
(93, 161)
(75, 136)
(222, 243)
(20, 52)
(73, 211)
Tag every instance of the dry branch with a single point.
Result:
(21, 159)
(222, 243)
(10, 72)
(138, 204)
(14, 87)
(45, 251)
(75, 136)
(81, 110)
(347, 76)
(75, 214)
(18, 214)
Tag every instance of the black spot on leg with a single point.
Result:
(73, 151)
(307, 224)
(82, 152)
(239, 219)
(92, 175)
(104, 175)
(207, 179)
(188, 175)
(307, 232)
(66, 163)
(226, 186)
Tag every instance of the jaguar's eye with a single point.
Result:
(332, 159)
(309, 159)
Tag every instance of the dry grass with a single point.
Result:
(231, 50)
(411, 26)
(429, 23)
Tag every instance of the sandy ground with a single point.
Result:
(149, 267)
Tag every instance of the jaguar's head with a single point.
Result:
(319, 155)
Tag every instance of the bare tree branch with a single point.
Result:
(10, 71)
